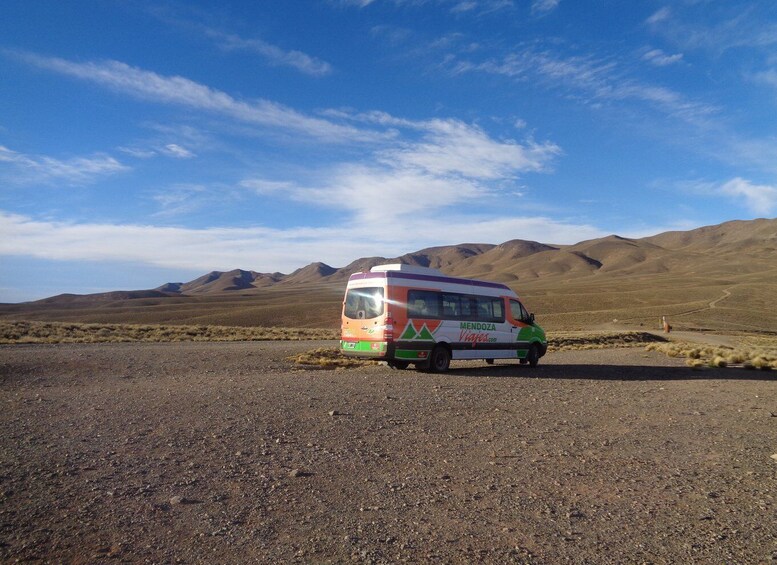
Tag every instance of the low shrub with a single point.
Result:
(329, 358)
(753, 353)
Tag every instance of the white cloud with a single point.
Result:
(759, 199)
(266, 249)
(659, 15)
(181, 199)
(138, 152)
(43, 169)
(272, 53)
(357, 3)
(660, 59)
(451, 162)
(178, 90)
(265, 187)
(453, 147)
(175, 150)
(767, 77)
(376, 195)
(543, 6)
(464, 6)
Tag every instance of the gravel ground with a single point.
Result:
(227, 453)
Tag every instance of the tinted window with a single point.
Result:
(488, 309)
(423, 304)
(456, 306)
(363, 303)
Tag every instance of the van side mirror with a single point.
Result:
(531, 318)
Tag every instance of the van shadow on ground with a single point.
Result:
(612, 372)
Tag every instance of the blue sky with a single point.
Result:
(142, 143)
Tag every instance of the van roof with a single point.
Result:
(398, 271)
(402, 268)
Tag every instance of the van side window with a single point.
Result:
(456, 306)
(423, 304)
(489, 309)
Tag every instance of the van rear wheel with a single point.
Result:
(440, 359)
(400, 365)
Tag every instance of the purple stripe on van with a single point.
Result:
(432, 278)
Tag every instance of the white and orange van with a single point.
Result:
(404, 314)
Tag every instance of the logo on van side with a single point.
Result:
(421, 332)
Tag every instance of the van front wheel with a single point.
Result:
(440, 359)
(533, 356)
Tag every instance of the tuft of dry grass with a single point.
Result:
(12, 332)
(751, 353)
(329, 358)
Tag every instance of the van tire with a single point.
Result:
(399, 365)
(440, 359)
(533, 356)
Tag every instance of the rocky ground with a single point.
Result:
(228, 453)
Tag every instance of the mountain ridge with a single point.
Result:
(745, 242)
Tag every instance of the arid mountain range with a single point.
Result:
(679, 272)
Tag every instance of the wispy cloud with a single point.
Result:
(271, 53)
(454, 6)
(594, 79)
(543, 6)
(43, 169)
(265, 187)
(659, 15)
(767, 77)
(660, 59)
(182, 199)
(716, 27)
(175, 150)
(157, 88)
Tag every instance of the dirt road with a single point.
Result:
(226, 453)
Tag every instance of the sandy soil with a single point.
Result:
(226, 453)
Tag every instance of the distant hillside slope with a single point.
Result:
(724, 275)
(750, 245)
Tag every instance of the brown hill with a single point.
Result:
(751, 236)
(715, 276)
(310, 274)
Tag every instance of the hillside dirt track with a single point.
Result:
(227, 453)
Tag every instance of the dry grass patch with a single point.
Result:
(751, 353)
(565, 341)
(329, 358)
(62, 332)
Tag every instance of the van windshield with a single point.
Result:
(363, 303)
